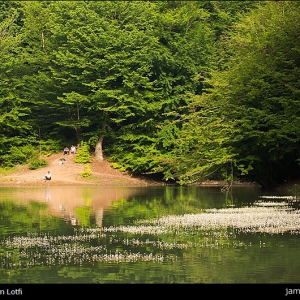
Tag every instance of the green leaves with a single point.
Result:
(184, 89)
(262, 91)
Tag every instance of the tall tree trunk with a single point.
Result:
(98, 149)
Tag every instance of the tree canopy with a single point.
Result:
(186, 90)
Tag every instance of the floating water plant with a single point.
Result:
(151, 240)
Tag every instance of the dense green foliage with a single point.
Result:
(83, 154)
(188, 90)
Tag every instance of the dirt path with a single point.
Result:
(69, 172)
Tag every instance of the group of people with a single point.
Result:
(68, 151)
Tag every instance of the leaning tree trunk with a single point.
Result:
(98, 149)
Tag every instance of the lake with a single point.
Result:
(162, 234)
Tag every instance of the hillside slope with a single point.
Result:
(69, 172)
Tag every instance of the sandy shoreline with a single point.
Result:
(69, 174)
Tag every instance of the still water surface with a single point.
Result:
(148, 235)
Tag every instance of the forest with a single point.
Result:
(184, 91)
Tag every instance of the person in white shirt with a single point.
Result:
(73, 149)
(48, 176)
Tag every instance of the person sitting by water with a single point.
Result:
(66, 151)
(48, 176)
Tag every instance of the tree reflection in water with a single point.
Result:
(165, 227)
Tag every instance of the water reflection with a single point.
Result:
(65, 202)
(147, 235)
(48, 193)
(69, 201)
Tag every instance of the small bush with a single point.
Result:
(49, 147)
(118, 167)
(295, 189)
(19, 155)
(87, 171)
(37, 164)
(83, 154)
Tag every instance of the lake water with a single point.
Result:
(148, 235)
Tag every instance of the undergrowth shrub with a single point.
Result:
(87, 171)
(295, 190)
(19, 155)
(49, 147)
(30, 153)
(37, 163)
(83, 155)
(117, 166)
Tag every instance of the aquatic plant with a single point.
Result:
(152, 240)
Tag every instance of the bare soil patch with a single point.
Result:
(69, 173)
